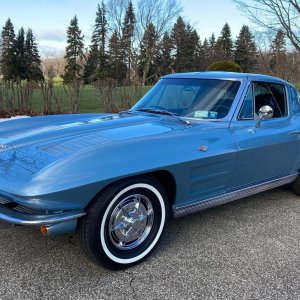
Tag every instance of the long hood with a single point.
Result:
(33, 143)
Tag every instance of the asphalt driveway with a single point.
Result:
(248, 249)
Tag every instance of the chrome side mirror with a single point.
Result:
(264, 113)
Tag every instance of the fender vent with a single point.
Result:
(4, 200)
(23, 209)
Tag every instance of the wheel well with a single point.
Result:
(164, 177)
(168, 182)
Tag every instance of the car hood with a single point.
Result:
(33, 143)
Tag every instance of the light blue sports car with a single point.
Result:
(194, 141)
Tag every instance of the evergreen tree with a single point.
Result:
(185, 41)
(74, 52)
(32, 59)
(212, 41)
(278, 54)
(212, 48)
(199, 55)
(7, 59)
(205, 57)
(127, 34)
(191, 49)
(100, 29)
(164, 60)
(224, 44)
(245, 50)
(117, 67)
(178, 39)
(96, 65)
(147, 53)
(90, 66)
(20, 61)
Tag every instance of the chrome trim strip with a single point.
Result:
(231, 196)
(23, 209)
(15, 217)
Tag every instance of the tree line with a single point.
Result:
(135, 43)
(20, 59)
(144, 42)
(145, 52)
(141, 43)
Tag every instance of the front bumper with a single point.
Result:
(15, 217)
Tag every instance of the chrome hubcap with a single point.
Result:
(131, 222)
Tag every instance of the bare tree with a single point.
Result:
(161, 13)
(53, 62)
(263, 42)
(73, 91)
(113, 97)
(116, 10)
(157, 16)
(275, 15)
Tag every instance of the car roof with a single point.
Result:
(225, 75)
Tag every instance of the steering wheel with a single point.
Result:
(222, 110)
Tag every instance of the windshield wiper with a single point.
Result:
(126, 112)
(164, 112)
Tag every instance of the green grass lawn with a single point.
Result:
(90, 101)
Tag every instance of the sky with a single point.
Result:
(49, 19)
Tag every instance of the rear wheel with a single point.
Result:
(125, 223)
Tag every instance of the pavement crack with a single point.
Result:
(132, 279)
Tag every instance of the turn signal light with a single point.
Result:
(44, 230)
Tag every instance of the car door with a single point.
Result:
(267, 149)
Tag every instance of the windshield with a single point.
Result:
(192, 98)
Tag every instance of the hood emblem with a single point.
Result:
(203, 148)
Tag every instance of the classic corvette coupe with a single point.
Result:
(194, 141)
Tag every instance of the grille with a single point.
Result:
(15, 206)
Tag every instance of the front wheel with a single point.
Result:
(296, 186)
(125, 223)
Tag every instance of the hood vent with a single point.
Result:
(76, 144)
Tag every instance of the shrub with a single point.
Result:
(227, 66)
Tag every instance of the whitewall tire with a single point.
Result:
(125, 222)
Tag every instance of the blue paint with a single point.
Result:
(57, 164)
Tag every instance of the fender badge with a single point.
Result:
(203, 148)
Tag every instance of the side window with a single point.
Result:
(246, 112)
(295, 98)
(260, 94)
(273, 95)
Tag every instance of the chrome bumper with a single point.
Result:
(15, 217)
